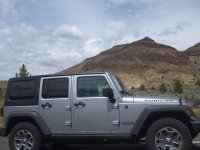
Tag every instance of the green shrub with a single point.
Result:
(196, 101)
(178, 87)
(163, 88)
(198, 83)
(163, 70)
(142, 87)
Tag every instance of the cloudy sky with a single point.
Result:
(51, 35)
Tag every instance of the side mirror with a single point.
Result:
(108, 92)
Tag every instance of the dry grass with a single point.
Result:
(1, 103)
(1, 121)
(197, 111)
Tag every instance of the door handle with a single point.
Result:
(79, 105)
(76, 104)
(46, 106)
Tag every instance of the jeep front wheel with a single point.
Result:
(168, 134)
(25, 136)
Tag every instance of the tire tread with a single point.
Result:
(174, 123)
(34, 131)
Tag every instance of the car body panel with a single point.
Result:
(98, 116)
(58, 116)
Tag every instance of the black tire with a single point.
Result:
(159, 128)
(29, 133)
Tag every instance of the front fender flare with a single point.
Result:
(153, 109)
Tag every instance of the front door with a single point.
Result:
(93, 113)
(55, 106)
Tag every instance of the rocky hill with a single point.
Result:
(194, 50)
(144, 62)
(194, 54)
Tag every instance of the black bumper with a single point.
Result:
(196, 125)
(2, 132)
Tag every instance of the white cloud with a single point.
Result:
(53, 35)
(8, 12)
(93, 46)
(118, 2)
(7, 7)
(47, 51)
(173, 30)
(68, 31)
(115, 29)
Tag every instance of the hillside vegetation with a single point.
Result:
(145, 62)
(150, 64)
(1, 119)
(3, 85)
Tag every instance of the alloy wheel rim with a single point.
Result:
(23, 140)
(168, 138)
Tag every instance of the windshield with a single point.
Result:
(117, 83)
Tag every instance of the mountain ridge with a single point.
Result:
(145, 49)
(144, 61)
(194, 50)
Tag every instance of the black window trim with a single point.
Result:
(55, 77)
(96, 75)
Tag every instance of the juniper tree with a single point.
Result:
(23, 72)
(178, 86)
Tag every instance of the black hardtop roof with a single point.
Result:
(55, 75)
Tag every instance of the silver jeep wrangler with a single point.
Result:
(93, 107)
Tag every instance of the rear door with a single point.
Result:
(93, 113)
(55, 103)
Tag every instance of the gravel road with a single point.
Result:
(4, 146)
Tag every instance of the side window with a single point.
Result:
(91, 86)
(55, 88)
(22, 90)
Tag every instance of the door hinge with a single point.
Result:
(115, 106)
(68, 123)
(68, 108)
(115, 123)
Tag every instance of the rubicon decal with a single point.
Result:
(159, 100)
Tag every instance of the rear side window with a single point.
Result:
(55, 88)
(22, 90)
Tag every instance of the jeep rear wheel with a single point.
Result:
(168, 134)
(25, 136)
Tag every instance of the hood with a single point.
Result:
(152, 100)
